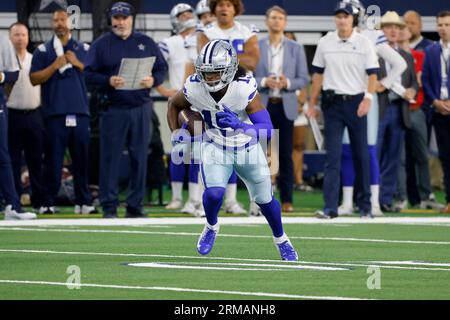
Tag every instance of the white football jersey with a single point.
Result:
(239, 94)
(376, 36)
(237, 35)
(175, 51)
(191, 46)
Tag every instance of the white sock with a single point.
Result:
(281, 239)
(214, 227)
(347, 196)
(177, 190)
(230, 192)
(375, 194)
(194, 192)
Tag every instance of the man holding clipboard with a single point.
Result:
(126, 121)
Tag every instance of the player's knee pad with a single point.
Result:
(261, 193)
(213, 195)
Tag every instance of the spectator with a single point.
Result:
(9, 73)
(57, 66)
(126, 120)
(436, 85)
(416, 141)
(394, 113)
(413, 21)
(281, 71)
(27, 134)
(345, 65)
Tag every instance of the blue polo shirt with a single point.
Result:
(103, 61)
(64, 93)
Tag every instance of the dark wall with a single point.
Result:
(294, 7)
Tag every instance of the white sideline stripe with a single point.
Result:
(223, 235)
(175, 266)
(267, 266)
(225, 221)
(414, 263)
(239, 293)
(345, 264)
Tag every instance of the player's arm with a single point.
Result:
(261, 123)
(176, 103)
(250, 58)
(202, 40)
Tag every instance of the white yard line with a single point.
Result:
(156, 288)
(192, 234)
(340, 264)
(226, 221)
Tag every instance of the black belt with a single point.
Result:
(24, 111)
(348, 97)
(275, 100)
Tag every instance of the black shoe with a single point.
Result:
(135, 215)
(366, 215)
(110, 215)
(388, 208)
(330, 215)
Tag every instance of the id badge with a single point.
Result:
(71, 121)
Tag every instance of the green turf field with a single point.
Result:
(337, 260)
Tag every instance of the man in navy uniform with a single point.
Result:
(126, 120)
(9, 73)
(57, 66)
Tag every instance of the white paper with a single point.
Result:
(133, 71)
(400, 90)
(316, 133)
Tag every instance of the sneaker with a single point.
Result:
(255, 210)
(85, 209)
(303, 187)
(287, 251)
(199, 210)
(431, 203)
(110, 215)
(344, 210)
(174, 204)
(376, 211)
(399, 206)
(366, 215)
(189, 207)
(11, 214)
(206, 241)
(234, 207)
(322, 215)
(47, 210)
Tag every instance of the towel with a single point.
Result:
(57, 45)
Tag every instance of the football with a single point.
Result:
(194, 121)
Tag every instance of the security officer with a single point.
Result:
(341, 64)
(9, 73)
(126, 120)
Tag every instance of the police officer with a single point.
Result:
(57, 66)
(341, 64)
(126, 120)
(9, 73)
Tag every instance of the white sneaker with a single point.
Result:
(46, 210)
(199, 210)
(234, 207)
(344, 210)
(189, 207)
(11, 214)
(174, 204)
(401, 205)
(376, 211)
(255, 210)
(84, 209)
(431, 203)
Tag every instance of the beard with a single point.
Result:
(122, 33)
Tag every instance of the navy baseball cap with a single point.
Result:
(344, 7)
(121, 9)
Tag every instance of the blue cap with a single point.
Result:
(344, 7)
(121, 9)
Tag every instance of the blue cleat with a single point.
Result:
(287, 251)
(206, 241)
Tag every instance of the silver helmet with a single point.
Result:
(202, 7)
(180, 26)
(217, 56)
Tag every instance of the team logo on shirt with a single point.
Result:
(141, 47)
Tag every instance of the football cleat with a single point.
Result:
(234, 208)
(206, 241)
(287, 251)
(174, 204)
(85, 209)
(11, 214)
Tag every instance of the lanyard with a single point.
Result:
(273, 54)
(446, 62)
